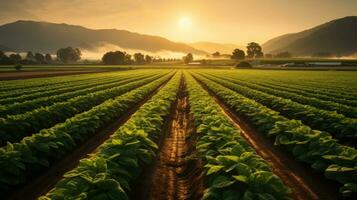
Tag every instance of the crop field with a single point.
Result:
(180, 134)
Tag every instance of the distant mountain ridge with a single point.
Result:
(48, 37)
(338, 37)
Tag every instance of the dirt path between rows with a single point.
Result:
(43, 183)
(305, 183)
(173, 176)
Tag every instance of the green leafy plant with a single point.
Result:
(319, 149)
(39, 151)
(233, 169)
(108, 173)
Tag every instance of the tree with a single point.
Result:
(39, 58)
(4, 60)
(116, 58)
(284, 54)
(69, 54)
(238, 54)
(244, 64)
(30, 56)
(15, 58)
(48, 58)
(148, 59)
(188, 58)
(254, 50)
(139, 58)
(216, 54)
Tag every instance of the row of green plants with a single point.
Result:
(15, 127)
(23, 107)
(20, 162)
(110, 172)
(233, 169)
(348, 111)
(13, 93)
(20, 97)
(339, 89)
(334, 84)
(310, 93)
(316, 148)
(340, 126)
(40, 83)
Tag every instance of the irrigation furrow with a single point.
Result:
(174, 177)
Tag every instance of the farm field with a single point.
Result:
(180, 134)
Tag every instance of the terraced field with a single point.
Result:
(180, 134)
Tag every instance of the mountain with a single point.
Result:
(212, 47)
(337, 37)
(49, 37)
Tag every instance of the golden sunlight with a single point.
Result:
(185, 23)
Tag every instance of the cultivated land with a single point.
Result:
(180, 134)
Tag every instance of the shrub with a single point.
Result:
(18, 67)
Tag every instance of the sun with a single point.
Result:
(185, 23)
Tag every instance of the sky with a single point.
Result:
(224, 21)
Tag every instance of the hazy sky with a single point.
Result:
(231, 21)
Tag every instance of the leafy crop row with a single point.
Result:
(318, 103)
(15, 127)
(43, 83)
(316, 92)
(334, 86)
(20, 97)
(319, 149)
(19, 108)
(234, 170)
(312, 82)
(338, 125)
(16, 93)
(21, 161)
(112, 169)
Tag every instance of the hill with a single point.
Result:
(212, 47)
(48, 37)
(337, 37)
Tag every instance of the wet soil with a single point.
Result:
(174, 176)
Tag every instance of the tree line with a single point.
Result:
(63, 55)
(72, 55)
(123, 58)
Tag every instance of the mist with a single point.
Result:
(97, 52)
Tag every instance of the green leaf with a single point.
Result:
(241, 178)
(221, 182)
(214, 169)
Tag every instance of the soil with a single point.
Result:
(173, 176)
(43, 183)
(304, 181)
